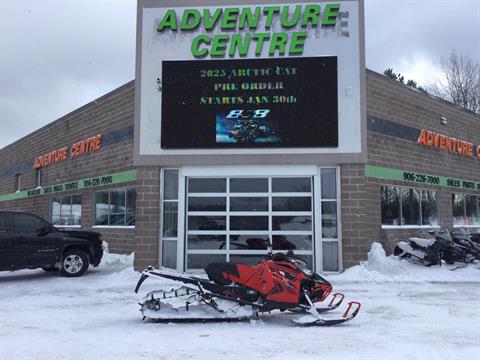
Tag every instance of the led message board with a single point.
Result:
(289, 102)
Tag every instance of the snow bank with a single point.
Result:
(116, 262)
(117, 267)
(382, 268)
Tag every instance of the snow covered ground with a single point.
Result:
(409, 312)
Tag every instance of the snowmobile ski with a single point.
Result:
(332, 305)
(314, 320)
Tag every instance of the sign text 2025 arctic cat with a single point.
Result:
(235, 291)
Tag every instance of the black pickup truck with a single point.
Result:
(27, 241)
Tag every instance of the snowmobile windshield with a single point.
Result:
(301, 265)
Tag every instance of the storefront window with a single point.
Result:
(115, 207)
(410, 206)
(329, 220)
(101, 208)
(429, 208)
(472, 212)
(66, 211)
(169, 232)
(238, 218)
(17, 182)
(390, 205)
(329, 183)
(330, 256)
(402, 206)
(38, 177)
(169, 254)
(466, 209)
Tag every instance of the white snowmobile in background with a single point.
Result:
(437, 250)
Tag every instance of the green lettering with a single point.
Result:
(284, 17)
(196, 45)
(219, 45)
(188, 24)
(330, 14)
(229, 19)
(236, 42)
(311, 15)
(270, 11)
(210, 20)
(260, 38)
(279, 42)
(297, 43)
(251, 19)
(168, 21)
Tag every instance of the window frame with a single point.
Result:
(52, 199)
(477, 196)
(94, 208)
(38, 178)
(173, 241)
(399, 189)
(18, 182)
(262, 171)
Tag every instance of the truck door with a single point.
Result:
(36, 239)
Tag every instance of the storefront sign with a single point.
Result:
(253, 79)
(253, 19)
(83, 147)
(111, 179)
(419, 178)
(448, 144)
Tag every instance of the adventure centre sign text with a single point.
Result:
(253, 20)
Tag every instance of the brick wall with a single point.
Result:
(111, 115)
(148, 218)
(390, 100)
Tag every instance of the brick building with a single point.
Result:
(55, 172)
(422, 172)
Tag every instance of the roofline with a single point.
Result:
(62, 118)
(434, 97)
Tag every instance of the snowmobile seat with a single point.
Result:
(215, 271)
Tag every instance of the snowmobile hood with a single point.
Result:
(422, 242)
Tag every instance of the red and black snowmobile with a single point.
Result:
(235, 291)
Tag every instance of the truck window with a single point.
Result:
(25, 223)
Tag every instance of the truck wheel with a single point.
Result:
(74, 263)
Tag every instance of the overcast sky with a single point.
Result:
(56, 56)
